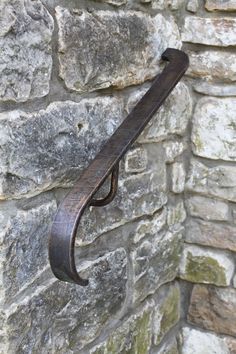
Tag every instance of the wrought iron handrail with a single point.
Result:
(65, 225)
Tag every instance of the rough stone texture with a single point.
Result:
(147, 199)
(136, 160)
(178, 177)
(155, 262)
(175, 4)
(49, 148)
(151, 227)
(231, 344)
(3, 334)
(83, 311)
(207, 209)
(216, 181)
(111, 49)
(211, 234)
(214, 128)
(172, 118)
(192, 5)
(211, 31)
(173, 149)
(25, 65)
(198, 342)
(167, 311)
(215, 90)
(219, 5)
(212, 65)
(114, 2)
(130, 249)
(165, 4)
(23, 246)
(134, 336)
(138, 195)
(214, 309)
(200, 265)
(169, 347)
(176, 214)
(234, 213)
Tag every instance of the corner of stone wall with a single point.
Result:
(207, 268)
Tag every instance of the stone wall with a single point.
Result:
(207, 265)
(161, 257)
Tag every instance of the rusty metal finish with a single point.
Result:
(64, 228)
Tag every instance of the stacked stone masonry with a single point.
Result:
(161, 257)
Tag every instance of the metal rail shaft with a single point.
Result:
(65, 225)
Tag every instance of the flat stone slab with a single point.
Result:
(219, 5)
(207, 208)
(45, 149)
(212, 65)
(211, 234)
(211, 31)
(106, 48)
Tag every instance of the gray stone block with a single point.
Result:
(60, 317)
(106, 48)
(48, 148)
(217, 181)
(155, 262)
(23, 249)
(25, 63)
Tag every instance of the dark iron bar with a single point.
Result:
(65, 225)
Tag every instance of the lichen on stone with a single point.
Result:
(204, 269)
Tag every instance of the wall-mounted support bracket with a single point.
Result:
(70, 211)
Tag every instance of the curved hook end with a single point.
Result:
(176, 54)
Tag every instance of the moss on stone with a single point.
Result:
(134, 337)
(142, 336)
(170, 313)
(203, 269)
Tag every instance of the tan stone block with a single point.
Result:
(212, 65)
(211, 31)
(211, 234)
(220, 5)
(214, 309)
